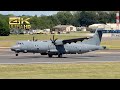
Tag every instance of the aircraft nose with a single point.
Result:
(14, 48)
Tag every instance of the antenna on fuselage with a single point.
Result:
(33, 38)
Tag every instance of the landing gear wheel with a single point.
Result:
(16, 54)
(59, 55)
(49, 55)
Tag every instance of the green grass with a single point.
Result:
(111, 44)
(41, 36)
(62, 71)
(114, 45)
(8, 41)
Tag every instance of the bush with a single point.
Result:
(4, 32)
(4, 27)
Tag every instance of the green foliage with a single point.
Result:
(4, 27)
(76, 18)
(65, 17)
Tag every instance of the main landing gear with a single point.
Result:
(59, 55)
(50, 55)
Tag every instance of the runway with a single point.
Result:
(8, 57)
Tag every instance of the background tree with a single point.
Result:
(76, 18)
(65, 17)
(4, 26)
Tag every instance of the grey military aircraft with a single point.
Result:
(59, 47)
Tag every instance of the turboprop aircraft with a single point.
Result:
(59, 47)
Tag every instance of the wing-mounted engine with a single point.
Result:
(53, 51)
(56, 42)
(57, 51)
(59, 42)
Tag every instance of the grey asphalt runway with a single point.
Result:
(8, 57)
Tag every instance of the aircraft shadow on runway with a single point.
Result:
(83, 57)
(73, 57)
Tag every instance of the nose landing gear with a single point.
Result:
(16, 54)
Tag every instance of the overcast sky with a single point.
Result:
(31, 13)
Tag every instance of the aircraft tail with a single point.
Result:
(96, 38)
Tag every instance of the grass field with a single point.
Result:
(114, 45)
(111, 44)
(62, 71)
(43, 36)
(8, 41)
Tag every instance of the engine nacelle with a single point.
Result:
(58, 42)
(53, 52)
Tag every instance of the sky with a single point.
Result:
(31, 13)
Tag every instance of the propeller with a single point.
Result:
(33, 38)
(53, 40)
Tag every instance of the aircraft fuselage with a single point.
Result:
(46, 47)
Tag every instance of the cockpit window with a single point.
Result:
(20, 43)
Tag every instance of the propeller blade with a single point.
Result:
(33, 38)
(53, 37)
(56, 39)
(53, 41)
(50, 39)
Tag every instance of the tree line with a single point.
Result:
(76, 18)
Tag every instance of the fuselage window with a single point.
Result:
(36, 45)
(20, 43)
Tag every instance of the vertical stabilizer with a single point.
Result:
(96, 38)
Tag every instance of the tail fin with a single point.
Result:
(96, 39)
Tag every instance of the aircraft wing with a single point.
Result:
(74, 40)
